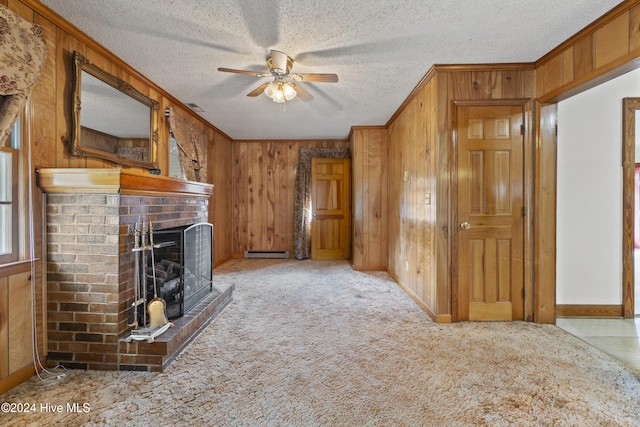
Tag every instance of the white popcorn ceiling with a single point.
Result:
(379, 49)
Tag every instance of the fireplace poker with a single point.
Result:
(143, 243)
(136, 278)
(157, 307)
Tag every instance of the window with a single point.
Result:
(9, 196)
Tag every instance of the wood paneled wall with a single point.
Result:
(51, 113)
(263, 184)
(221, 205)
(412, 184)
(50, 133)
(601, 51)
(16, 344)
(370, 205)
(420, 207)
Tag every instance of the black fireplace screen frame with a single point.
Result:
(197, 263)
(189, 251)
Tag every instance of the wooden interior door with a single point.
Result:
(490, 213)
(331, 209)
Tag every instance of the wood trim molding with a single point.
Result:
(442, 318)
(595, 78)
(16, 378)
(488, 103)
(369, 267)
(111, 180)
(434, 70)
(16, 267)
(354, 128)
(629, 109)
(588, 50)
(221, 261)
(297, 141)
(544, 214)
(421, 84)
(589, 29)
(585, 310)
(508, 66)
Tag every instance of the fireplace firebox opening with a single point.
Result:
(183, 267)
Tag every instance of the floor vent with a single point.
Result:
(266, 254)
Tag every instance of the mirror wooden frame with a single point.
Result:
(80, 64)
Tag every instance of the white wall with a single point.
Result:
(589, 206)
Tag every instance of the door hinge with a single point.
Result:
(524, 212)
(524, 293)
(522, 129)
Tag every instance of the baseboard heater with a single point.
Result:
(266, 254)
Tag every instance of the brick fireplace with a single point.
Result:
(90, 218)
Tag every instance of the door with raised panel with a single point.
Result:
(331, 209)
(490, 213)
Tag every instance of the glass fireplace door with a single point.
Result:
(198, 251)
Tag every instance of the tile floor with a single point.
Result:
(619, 338)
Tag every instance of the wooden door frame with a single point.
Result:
(546, 254)
(528, 193)
(629, 108)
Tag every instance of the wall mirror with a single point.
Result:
(111, 119)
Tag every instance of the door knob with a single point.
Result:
(465, 225)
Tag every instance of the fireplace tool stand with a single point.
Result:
(141, 246)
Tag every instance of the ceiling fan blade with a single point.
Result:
(315, 77)
(257, 91)
(302, 94)
(250, 73)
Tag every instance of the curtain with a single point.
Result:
(22, 56)
(302, 199)
(192, 146)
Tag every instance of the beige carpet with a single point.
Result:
(316, 344)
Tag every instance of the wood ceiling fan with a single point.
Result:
(284, 85)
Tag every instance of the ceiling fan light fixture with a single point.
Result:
(279, 96)
(271, 90)
(280, 91)
(288, 91)
(284, 85)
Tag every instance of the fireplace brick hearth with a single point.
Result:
(90, 219)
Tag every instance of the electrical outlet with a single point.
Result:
(427, 198)
(406, 176)
(406, 266)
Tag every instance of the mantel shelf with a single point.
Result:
(122, 181)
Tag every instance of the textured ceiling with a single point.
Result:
(379, 49)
